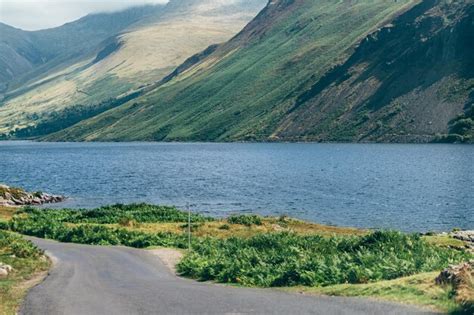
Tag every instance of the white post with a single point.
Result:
(189, 225)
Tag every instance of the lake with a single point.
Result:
(406, 187)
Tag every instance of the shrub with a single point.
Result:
(247, 220)
(286, 259)
(224, 227)
(16, 245)
(94, 234)
(118, 214)
(194, 226)
(4, 225)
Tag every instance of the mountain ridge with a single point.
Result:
(324, 70)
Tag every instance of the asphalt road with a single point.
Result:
(116, 280)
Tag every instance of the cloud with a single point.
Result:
(40, 14)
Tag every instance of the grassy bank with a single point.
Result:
(264, 251)
(28, 264)
(419, 289)
(289, 259)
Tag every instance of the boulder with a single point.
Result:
(8, 268)
(456, 274)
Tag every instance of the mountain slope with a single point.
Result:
(407, 81)
(399, 71)
(244, 90)
(29, 54)
(17, 55)
(137, 56)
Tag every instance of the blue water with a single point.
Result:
(407, 187)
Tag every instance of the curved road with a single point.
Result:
(117, 280)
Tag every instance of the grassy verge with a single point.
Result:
(6, 213)
(143, 225)
(266, 252)
(289, 259)
(28, 264)
(418, 289)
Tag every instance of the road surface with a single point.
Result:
(117, 280)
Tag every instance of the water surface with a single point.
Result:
(407, 187)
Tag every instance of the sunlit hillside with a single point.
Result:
(382, 71)
(141, 54)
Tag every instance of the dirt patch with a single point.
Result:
(170, 257)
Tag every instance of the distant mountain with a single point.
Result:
(57, 77)
(29, 54)
(390, 71)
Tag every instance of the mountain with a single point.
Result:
(26, 55)
(320, 70)
(129, 50)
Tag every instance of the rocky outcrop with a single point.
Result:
(455, 275)
(10, 196)
(5, 270)
(461, 277)
(466, 236)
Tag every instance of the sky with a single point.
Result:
(41, 14)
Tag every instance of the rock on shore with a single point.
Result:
(466, 236)
(11, 196)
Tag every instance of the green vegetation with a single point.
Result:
(143, 225)
(286, 259)
(419, 290)
(259, 251)
(445, 241)
(27, 262)
(247, 220)
(461, 129)
(55, 121)
(87, 226)
(142, 213)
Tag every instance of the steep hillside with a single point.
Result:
(399, 71)
(27, 55)
(408, 81)
(246, 89)
(17, 55)
(138, 56)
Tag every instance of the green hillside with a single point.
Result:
(131, 58)
(314, 70)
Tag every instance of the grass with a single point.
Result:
(164, 220)
(288, 259)
(28, 263)
(224, 229)
(6, 213)
(418, 290)
(445, 241)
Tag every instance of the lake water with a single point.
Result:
(407, 187)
